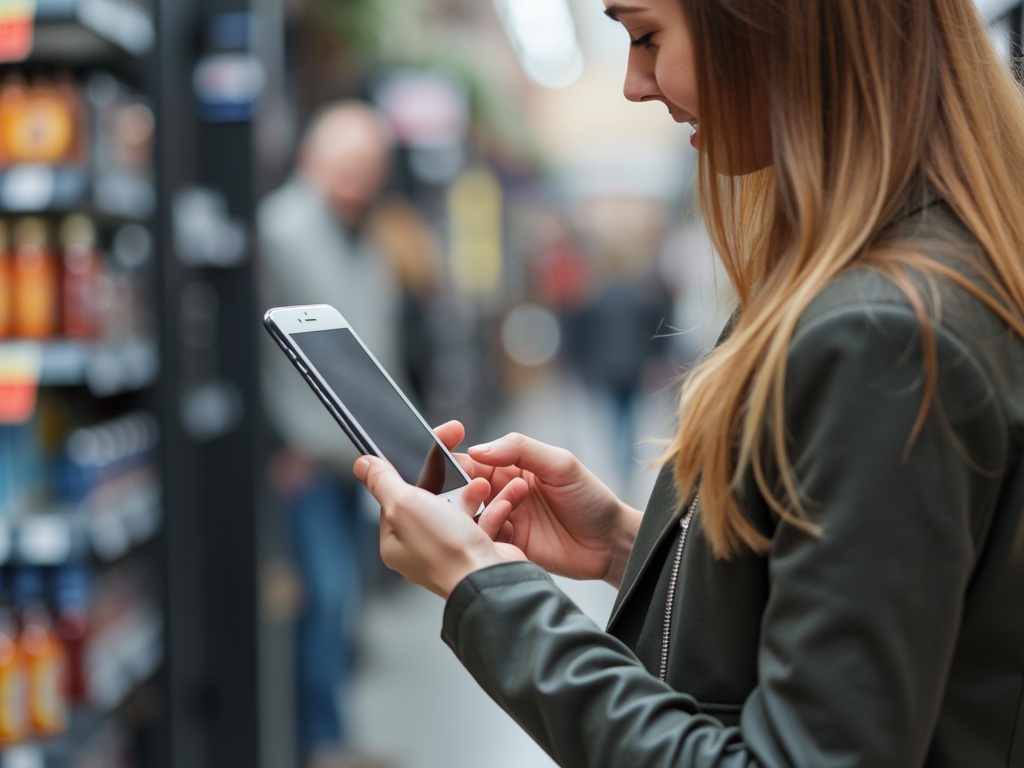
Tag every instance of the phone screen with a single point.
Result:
(380, 409)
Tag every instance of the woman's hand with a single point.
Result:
(425, 538)
(549, 506)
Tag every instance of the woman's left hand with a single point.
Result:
(428, 540)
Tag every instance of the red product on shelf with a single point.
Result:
(73, 628)
(80, 278)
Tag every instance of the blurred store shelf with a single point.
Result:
(41, 188)
(106, 368)
(77, 30)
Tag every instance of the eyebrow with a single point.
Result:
(614, 11)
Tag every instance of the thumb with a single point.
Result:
(379, 477)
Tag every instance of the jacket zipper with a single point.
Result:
(684, 525)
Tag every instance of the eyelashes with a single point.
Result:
(643, 41)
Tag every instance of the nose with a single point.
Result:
(640, 84)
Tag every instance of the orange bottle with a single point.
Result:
(6, 290)
(70, 95)
(45, 658)
(13, 94)
(13, 710)
(34, 281)
(37, 122)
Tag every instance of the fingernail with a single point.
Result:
(483, 448)
(361, 468)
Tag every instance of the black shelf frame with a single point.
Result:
(205, 555)
(214, 487)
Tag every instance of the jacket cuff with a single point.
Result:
(468, 591)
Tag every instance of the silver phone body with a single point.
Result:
(363, 398)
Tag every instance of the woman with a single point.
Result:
(844, 588)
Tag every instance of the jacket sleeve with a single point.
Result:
(861, 620)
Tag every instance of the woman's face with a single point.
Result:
(662, 67)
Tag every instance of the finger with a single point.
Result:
(475, 494)
(496, 514)
(524, 452)
(472, 468)
(494, 518)
(507, 534)
(380, 478)
(451, 433)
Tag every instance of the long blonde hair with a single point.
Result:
(867, 101)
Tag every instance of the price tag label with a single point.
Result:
(28, 187)
(22, 756)
(45, 539)
(17, 24)
(20, 364)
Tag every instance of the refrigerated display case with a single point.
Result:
(129, 436)
(81, 508)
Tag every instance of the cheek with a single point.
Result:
(678, 82)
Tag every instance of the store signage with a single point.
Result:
(17, 22)
(475, 215)
(227, 86)
(20, 366)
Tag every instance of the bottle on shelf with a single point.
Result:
(39, 122)
(45, 659)
(13, 94)
(68, 94)
(13, 678)
(80, 278)
(71, 602)
(22, 475)
(6, 290)
(34, 280)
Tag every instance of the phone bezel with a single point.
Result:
(287, 324)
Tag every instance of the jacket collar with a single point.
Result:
(660, 521)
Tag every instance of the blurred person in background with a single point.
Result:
(828, 570)
(314, 249)
(563, 278)
(628, 324)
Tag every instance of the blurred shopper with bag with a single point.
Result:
(828, 570)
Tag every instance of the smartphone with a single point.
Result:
(363, 398)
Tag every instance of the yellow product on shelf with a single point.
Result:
(38, 122)
(45, 659)
(6, 297)
(13, 708)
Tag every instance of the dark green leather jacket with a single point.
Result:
(895, 639)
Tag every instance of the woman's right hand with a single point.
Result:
(560, 515)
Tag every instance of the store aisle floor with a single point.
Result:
(413, 703)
